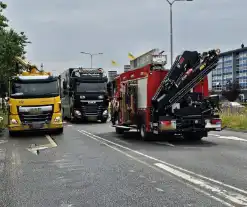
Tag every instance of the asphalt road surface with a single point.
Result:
(89, 165)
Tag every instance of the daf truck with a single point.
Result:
(84, 94)
(34, 100)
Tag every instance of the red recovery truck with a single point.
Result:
(154, 100)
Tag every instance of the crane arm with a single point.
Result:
(179, 82)
(29, 67)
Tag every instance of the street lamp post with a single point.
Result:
(171, 32)
(91, 56)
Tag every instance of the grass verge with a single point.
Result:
(236, 121)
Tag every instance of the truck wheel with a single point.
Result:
(59, 131)
(193, 136)
(104, 120)
(119, 130)
(72, 118)
(145, 136)
(63, 117)
(12, 133)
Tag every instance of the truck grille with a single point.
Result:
(92, 110)
(42, 116)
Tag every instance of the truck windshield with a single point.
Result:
(91, 87)
(47, 89)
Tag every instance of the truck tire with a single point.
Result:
(145, 136)
(59, 131)
(193, 136)
(72, 118)
(12, 133)
(104, 120)
(119, 130)
(63, 117)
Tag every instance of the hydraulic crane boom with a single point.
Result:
(29, 68)
(187, 71)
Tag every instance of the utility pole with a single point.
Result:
(91, 56)
(171, 27)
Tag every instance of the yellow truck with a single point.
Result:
(34, 101)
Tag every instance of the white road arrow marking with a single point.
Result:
(35, 150)
(3, 141)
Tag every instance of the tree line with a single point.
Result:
(12, 43)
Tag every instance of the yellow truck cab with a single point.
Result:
(34, 101)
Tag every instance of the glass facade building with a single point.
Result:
(231, 66)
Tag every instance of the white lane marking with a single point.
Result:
(232, 138)
(158, 189)
(105, 141)
(152, 166)
(232, 196)
(229, 137)
(216, 135)
(69, 125)
(3, 141)
(165, 143)
(123, 142)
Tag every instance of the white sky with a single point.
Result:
(59, 30)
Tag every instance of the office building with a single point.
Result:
(231, 66)
(112, 74)
(126, 68)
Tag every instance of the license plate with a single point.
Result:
(37, 126)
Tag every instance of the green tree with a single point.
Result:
(12, 44)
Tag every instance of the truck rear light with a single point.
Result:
(216, 121)
(166, 123)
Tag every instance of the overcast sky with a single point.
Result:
(60, 29)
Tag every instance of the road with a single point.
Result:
(90, 166)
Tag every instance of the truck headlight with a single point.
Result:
(82, 97)
(105, 113)
(13, 121)
(57, 119)
(78, 113)
(100, 97)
